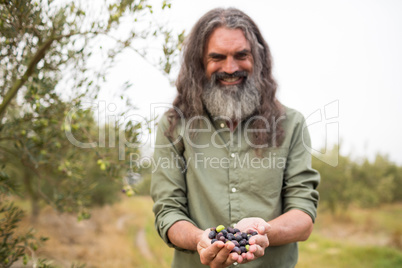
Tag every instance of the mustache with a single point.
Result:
(224, 75)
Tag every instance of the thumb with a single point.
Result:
(264, 229)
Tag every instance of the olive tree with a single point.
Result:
(54, 57)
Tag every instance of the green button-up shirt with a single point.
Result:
(215, 177)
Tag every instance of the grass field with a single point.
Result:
(123, 235)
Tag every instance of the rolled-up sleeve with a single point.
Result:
(168, 184)
(300, 179)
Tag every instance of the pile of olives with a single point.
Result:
(229, 234)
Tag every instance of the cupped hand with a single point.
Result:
(218, 254)
(258, 242)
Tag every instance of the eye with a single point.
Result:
(217, 57)
(241, 56)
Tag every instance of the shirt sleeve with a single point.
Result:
(300, 179)
(168, 184)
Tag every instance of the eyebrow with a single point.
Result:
(244, 51)
(214, 55)
(217, 55)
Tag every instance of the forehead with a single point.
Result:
(224, 40)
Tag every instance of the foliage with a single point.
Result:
(51, 63)
(144, 187)
(336, 182)
(362, 183)
(54, 57)
(15, 244)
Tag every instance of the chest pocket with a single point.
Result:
(265, 174)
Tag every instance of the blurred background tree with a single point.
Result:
(361, 183)
(54, 56)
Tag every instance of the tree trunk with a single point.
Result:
(34, 198)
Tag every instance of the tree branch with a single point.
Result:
(40, 54)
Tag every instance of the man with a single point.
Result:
(229, 153)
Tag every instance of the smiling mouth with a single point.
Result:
(232, 79)
(228, 81)
(231, 82)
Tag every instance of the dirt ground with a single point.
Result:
(107, 239)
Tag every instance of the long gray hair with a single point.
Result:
(191, 79)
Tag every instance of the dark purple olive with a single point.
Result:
(219, 235)
(237, 250)
(212, 235)
(243, 242)
(230, 236)
(213, 240)
(238, 237)
(225, 233)
(243, 249)
(236, 243)
(230, 230)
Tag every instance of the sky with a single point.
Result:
(337, 62)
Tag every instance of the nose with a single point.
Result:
(230, 65)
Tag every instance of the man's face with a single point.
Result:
(230, 91)
(228, 51)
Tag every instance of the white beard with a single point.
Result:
(235, 102)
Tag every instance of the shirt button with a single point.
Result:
(234, 190)
(222, 125)
(232, 155)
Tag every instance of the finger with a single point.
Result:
(256, 251)
(240, 258)
(244, 258)
(250, 256)
(223, 255)
(243, 255)
(208, 254)
(261, 240)
(232, 258)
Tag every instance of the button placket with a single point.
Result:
(233, 185)
(234, 178)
